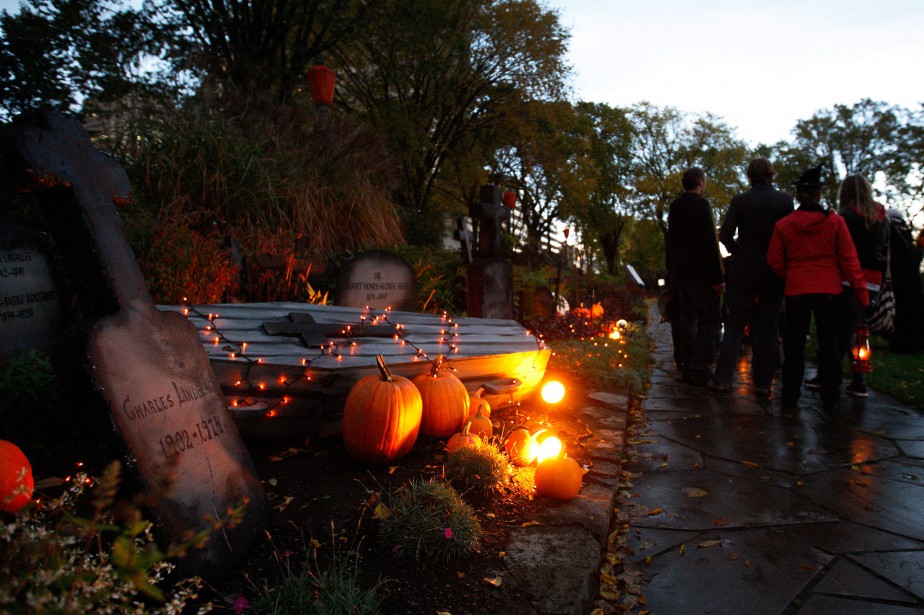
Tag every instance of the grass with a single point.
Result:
(898, 375)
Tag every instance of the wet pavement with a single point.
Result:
(740, 506)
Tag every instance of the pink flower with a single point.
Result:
(287, 553)
(240, 604)
(448, 533)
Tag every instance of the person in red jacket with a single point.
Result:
(812, 251)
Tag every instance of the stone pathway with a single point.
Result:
(744, 508)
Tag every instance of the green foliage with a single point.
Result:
(308, 590)
(440, 278)
(54, 560)
(483, 469)
(429, 521)
(606, 363)
(32, 409)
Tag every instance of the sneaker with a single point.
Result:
(813, 383)
(857, 390)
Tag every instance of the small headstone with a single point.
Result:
(379, 280)
(142, 369)
(31, 314)
(490, 276)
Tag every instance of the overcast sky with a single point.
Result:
(761, 66)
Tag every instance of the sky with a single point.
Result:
(760, 66)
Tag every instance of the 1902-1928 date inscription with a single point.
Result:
(187, 439)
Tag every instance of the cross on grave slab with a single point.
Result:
(464, 237)
(490, 212)
(314, 334)
(140, 376)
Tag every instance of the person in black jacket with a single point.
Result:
(755, 294)
(905, 263)
(695, 277)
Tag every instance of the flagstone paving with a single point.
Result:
(742, 507)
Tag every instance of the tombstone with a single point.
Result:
(490, 276)
(141, 375)
(31, 313)
(379, 280)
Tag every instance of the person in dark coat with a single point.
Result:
(754, 294)
(812, 251)
(905, 263)
(695, 277)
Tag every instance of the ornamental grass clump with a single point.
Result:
(429, 521)
(483, 469)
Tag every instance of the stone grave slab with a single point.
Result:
(849, 537)
(31, 312)
(379, 280)
(833, 605)
(847, 579)
(140, 375)
(904, 568)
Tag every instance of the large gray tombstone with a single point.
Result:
(490, 276)
(379, 280)
(31, 314)
(142, 369)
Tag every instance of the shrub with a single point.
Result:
(483, 469)
(52, 560)
(429, 521)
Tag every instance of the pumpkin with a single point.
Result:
(381, 416)
(559, 477)
(521, 447)
(481, 425)
(462, 439)
(478, 405)
(445, 401)
(16, 484)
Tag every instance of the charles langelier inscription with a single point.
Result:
(187, 437)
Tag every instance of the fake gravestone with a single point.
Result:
(31, 315)
(379, 280)
(490, 276)
(144, 370)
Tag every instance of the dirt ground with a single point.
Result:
(320, 504)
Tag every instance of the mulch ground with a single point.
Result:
(321, 506)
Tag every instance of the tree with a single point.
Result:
(440, 79)
(257, 45)
(63, 52)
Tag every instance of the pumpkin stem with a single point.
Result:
(386, 373)
(437, 365)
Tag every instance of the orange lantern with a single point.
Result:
(861, 353)
(510, 199)
(321, 81)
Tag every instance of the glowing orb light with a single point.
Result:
(621, 323)
(550, 447)
(615, 334)
(553, 392)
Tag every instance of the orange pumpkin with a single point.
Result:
(445, 401)
(478, 405)
(481, 425)
(559, 477)
(462, 439)
(521, 447)
(381, 416)
(16, 484)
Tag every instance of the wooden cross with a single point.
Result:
(464, 237)
(314, 334)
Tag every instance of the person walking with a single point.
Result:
(754, 294)
(812, 251)
(869, 227)
(695, 277)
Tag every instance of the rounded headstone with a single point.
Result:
(31, 314)
(379, 280)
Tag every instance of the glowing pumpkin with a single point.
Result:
(481, 426)
(445, 401)
(521, 447)
(16, 484)
(381, 416)
(478, 405)
(559, 477)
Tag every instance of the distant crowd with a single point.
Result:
(851, 269)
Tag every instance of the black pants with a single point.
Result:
(799, 311)
(694, 327)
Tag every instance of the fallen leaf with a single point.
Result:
(648, 560)
(285, 503)
(495, 580)
(807, 567)
(609, 596)
(720, 522)
(529, 523)
(750, 464)
(694, 492)
(391, 469)
(733, 556)
(655, 511)
(381, 512)
(315, 544)
(708, 543)
(273, 482)
(683, 549)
